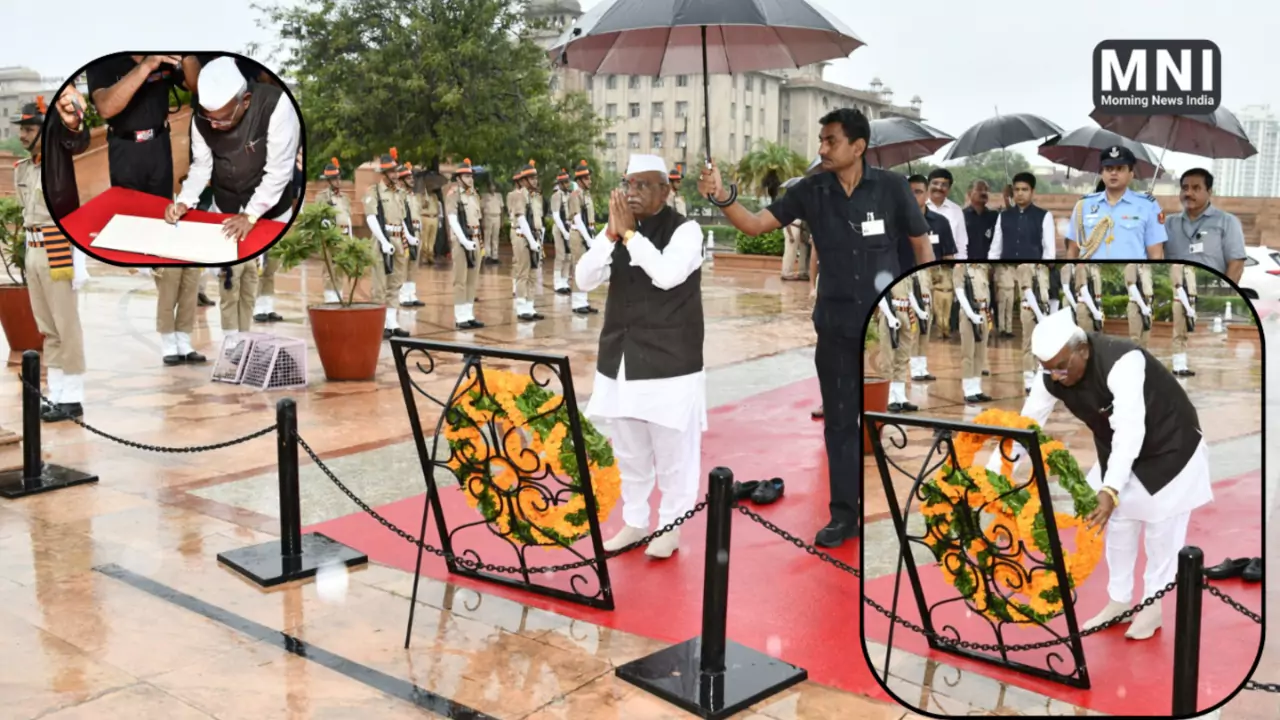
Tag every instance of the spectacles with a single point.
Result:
(640, 186)
(229, 121)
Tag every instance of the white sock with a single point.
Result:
(72, 389)
(168, 344)
(579, 300)
(460, 313)
(331, 296)
(184, 344)
(410, 291)
(391, 323)
(270, 303)
(55, 385)
(897, 392)
(1027, 377)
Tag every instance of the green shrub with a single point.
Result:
(770, 243)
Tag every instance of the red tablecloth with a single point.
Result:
(94, 215)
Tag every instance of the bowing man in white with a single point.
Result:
(1153, 463)
(650, 385)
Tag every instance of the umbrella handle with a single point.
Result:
(706, 103)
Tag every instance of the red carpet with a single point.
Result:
(1129, 677)
(82, 225)
(781, 600)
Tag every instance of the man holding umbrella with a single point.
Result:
(1117, 223)
(859, 217)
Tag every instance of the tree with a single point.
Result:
(436, 79)
(763, 170)
(996, 167)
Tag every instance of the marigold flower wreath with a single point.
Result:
(532, 425)
(986, 564)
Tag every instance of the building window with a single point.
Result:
(611, 82)
(633, 141)
(656, 141)
(611, 167)
(733, 141)
(764, 88)
(633, 110)
(611, 140)
(682, 81)
(657, 81)
(746, 144)
(786, 127)
(633, 82)
(611, 111)
(826, 102)
(749, 83)
(682, 109)
(761, 117)
(591, 83)
(733, 111)
(656, 109)
(682, 140)
(749, 116)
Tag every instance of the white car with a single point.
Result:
(1261, 278)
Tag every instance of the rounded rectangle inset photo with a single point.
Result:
(1064, 499)
(163, 159)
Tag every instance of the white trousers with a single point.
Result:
(645, 452)
(1162, 542)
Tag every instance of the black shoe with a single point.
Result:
(768, 491)
(194, 357)
(1253, 573)
(273, 317)
(172, 360)
(983, 397)
(894, 407)
(203, 300)
(1228, 569)
(1184, 373)
(835, 534)
(475, 324)
(261, 317)
(563, 291)
(986, 373)
(1026, 391)
(924, 378)
(386, 333)
(584, 311)
(743, 490)
(909, 407)
(973, 398)
(61, 412)
(592, 310)
(400, 332)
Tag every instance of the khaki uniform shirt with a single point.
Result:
(491, 205)
(675, 200)
(977, 274)
(942, 280)
(1178, 274)
(27, 177)
(1030, 274)
(392, 207)
(470, 201)
(578, 199)
(431, 207)
(1140, 275)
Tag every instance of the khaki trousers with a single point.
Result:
(176, 302)
(942, 302)
(465, 279)
(795, 255)
(236, 302)
(492, 228)
(1136, 333)
(427, 242)
(893, 363)
(1084, 318)
(53, 302)
(1179, 326)
(386, 287)
(267, 280)
(1028, 318)
(522, 266)
(564, 259)
(973, 354)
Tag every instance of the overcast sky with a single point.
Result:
(963, 59)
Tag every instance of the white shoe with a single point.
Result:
(1112, 611)
(664, 546)
(625, 537)
(1145, 623)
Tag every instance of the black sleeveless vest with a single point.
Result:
(240, 154)
(1022, 233)
(660, 332)
(1172, 424)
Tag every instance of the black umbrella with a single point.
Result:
(1217, 135)
(896, 141)
(1081, 149)
(676, 37)
(1000, 132)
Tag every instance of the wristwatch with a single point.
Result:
(253, 219)
(1115, 496)
(626, 237)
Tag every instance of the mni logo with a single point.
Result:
(1154, 77)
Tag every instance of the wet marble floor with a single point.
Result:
(112, 601)
(1228, 394)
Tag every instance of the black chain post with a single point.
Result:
(1186, 631)
(35, 476)
(290, 502)
(715, 577)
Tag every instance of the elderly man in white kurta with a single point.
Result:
(650, 385)
(1153, 462)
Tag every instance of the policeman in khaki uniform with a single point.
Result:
(1082, 284)
(560, 233)
(675, 200)
(920, 285)
(943, 298)
(55, 268)
(524, 204)
(1033, 290)
(1006, 289)
(491, 222)
(897, 317)
(333, 197)
(1137, 278)
(384, 216)
(412, 235)
(1183, 279)
(430, 228)
(973, 295)
(177, 288)
(582, 222)
(463, 215)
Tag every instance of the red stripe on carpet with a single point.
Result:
(781, 600)
(1129, 677)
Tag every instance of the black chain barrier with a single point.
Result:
(1232, 602)
(1262, 687)
(154, 448)
(838, 564)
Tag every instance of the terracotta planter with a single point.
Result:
(19, 323)
(348, 339)
(875, 398)
(754, 263)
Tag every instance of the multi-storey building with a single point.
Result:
(1258, 176)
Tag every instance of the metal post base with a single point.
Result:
(265, 567)
(14, 483)
(675, 675)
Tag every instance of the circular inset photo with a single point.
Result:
(162, 160)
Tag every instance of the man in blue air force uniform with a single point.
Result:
(1116, 223)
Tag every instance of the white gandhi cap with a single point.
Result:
(646, 163)
(220, 82)
(1052, 334)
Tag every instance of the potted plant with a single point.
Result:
(16, 318)
(348, 334)
(875, 390)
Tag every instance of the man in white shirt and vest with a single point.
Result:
(650, 383)
(1153, 462)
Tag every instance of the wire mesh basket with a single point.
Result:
(233, 356)
(276, 363)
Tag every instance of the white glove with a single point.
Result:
(387, 247)
(582, 230)
(920, 312)
(144, 272)
(1071, 300)
(534, 246)
(325, 223)
(1136, 297)
(412, 240)
(1087, 298)
(1029, 302)
(1186, 301)
(468, 244)
(974, 317)
(889, 315)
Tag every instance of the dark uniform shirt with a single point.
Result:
(981, 227)
(938, 225)
(859, 258)
(149, 107)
